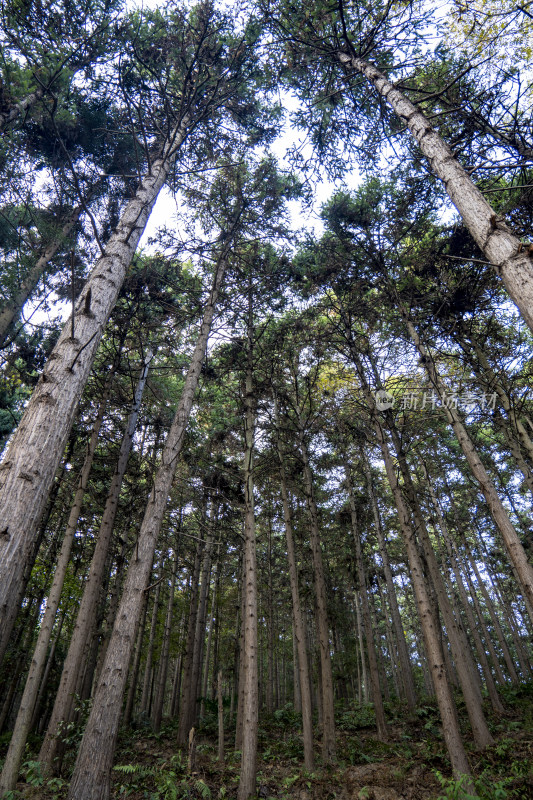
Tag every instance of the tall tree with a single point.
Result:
(210, 67)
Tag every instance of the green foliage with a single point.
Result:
(484, 788)
(72, 732)
(162, 782)
(32, 773)
(357, 718)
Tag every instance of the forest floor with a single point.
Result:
(411, 765)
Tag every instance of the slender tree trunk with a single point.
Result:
(511, 260)
(238, 686)
(28, 467)
(17, 744)
(220, 719)
(270, 632)
(199, 634)
(185, 713)
(481, 618)
(298, 624)
(377, 698)
(512, 543)
(428, 620)
(466, 669)
(359, 689)
(489, 680)
(382, 673)
(430, 627)
(326, 678)
(296, 690)
(91, 776)
(250, 708)
(460, 647)
(146, 698)
(160, 694)
(86, 614)
(130, 701)
(205, 679)
(494, 619)
(11, 309)
(405, 664)
(389, 635)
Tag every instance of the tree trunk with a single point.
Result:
(322, 624)
(389, 634)
(29, 465)
(489, 680)
(160, 693)
(86, 613)
(6, 631)
(17, 744)
(502, 248)
(11, 309)
(377, 698)
(405, 663)
(130, 701)
(430, 627)
(428, 620)
(184, 713)
(146, 697)
(510, 537)
(298, 624)
(91, 778)
(205, 679)
(494, 619)
(250, 708)
(220, 754)
(199, 634)
(270, 631)
(466, 669)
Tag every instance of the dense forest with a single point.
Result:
(266, 400)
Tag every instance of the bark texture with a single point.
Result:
(322, 624)
(249, 676)
(502, 248)
(87, 611)
(298, 624)
(377, 698)
(28, 467)
(511, 540)
(23, 722)
(91, 778)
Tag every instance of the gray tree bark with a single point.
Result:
(19, 736)
(249, 678)
(405, 664)
(29, 465)
(91, 778)
(511, 261)
(377, 698)
(298, 624)
(322, 624)
(511, 540)
(87, 610)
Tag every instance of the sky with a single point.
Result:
(164, 212)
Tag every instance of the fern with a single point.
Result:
(203, 789)
(130, 769)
